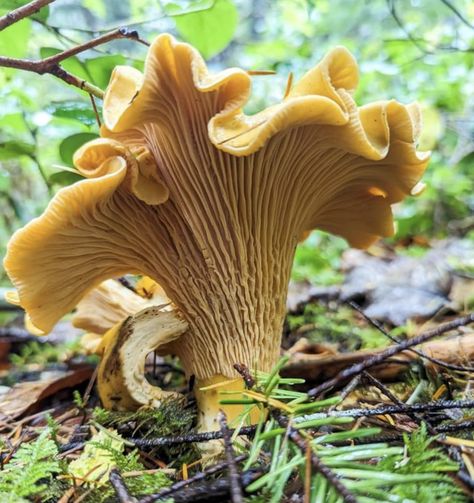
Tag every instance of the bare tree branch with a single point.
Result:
(358, 368)
(416, 42)
(458, 13)
(24, 11)
(420, 43)
(51, 65)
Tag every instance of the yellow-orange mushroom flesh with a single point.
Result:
(210, 203)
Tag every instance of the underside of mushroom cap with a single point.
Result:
(234, 194)
(369, 151)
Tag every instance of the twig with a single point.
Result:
(457, 13)
(393, 350)
(96, 112)
(381, 329)
(120, 488)
(317, 464)
(24, 11)
(187, 439)
(215, 491)
(90, 386)
(192, 480)
(411, 38)
(103, 39)
(52, 66)
(392, 409)
(383, 389)
(350, 387)
(394, 437)
(450, 427)
(246, 375)
(420, 43)
(233, 473)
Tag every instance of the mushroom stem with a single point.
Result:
(121, 379)
(210, 392)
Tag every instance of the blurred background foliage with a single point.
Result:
(407, 49)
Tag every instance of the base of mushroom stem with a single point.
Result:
(209, 392)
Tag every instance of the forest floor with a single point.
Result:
(373, 402)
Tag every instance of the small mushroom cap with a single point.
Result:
(91, 343)
(110, 303)
(121, 377)
(105, 306)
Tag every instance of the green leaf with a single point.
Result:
(14, 39)
(70, 144)
(13, 124)
(64, 178)
(209, 29)
(101, 68)
(12, 149)
(78, 110)
(5, 182)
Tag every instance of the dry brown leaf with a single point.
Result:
(22, 397)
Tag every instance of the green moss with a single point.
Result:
(44, 353)
(318, 259)
(112, 450)
(174, 417)
(321, 324)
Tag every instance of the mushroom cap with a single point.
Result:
(109, 304)
(210, 202)
(121, 377)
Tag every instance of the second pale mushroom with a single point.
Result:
(186, 188)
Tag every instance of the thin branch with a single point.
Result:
(177, 486)
(51, 65)
(233, 473)
(420, 43)
(381, 329)
(468, 424)
(96, 112)
(191, 438)
(397, 19)
(383, 389)
(120, 488)
(458, 13)
(391, 409)
(24, 11)
(392, 350)
(206, 491)
(90, 44)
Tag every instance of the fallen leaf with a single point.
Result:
(22, 397)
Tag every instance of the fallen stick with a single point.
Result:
(320, 366)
